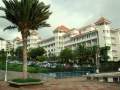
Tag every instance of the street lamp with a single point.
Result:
(8, 55)
(98, 64)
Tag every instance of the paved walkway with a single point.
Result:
(66, 84)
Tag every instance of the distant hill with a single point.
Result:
(1, 38)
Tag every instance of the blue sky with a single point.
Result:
(73, 14)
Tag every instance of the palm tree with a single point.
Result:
(66, 55)
(25, 15)
(81, 52)
(93, 53)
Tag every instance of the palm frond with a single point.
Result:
(26, 14)
(2, 8)
(10, 27)
(3, 17)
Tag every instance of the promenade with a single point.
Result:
(66, 84)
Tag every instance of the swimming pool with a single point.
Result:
(59, 75)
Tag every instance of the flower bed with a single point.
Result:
(22, 82)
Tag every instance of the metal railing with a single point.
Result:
(60, 75)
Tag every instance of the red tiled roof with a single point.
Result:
(62, 29)
(102, 20)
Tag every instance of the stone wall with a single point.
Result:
(12, 75)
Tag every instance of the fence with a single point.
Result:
(57, 75)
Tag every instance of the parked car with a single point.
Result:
(15, 62)
(75, 66)
(44, 64)
(53, 65)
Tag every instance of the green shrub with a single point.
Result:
(109, 66)
(37, 69)
(15, 67)
(26, 80)
(33, 69)
(44, 70)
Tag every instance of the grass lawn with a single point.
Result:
(18, 68)
(26, 80)
(37, 69)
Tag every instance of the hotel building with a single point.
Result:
(2, 44)
(32, 41)
(99, 33)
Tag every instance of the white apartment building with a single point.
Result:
(2, 44)
(55, 44)
(17, 42)
(48, 45)
(9, 45)
(99, 33)
(32, 41)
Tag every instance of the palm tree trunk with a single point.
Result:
(25, 75)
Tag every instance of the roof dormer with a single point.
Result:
(102, 21)
(61, 29)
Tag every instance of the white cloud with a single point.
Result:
(74, 13)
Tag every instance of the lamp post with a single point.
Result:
(97, 64)
(97, 60)
(8, 55)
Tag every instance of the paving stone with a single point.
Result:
(66, 84)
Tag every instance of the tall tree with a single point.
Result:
(66, 55)
(3, 55)
(35, 52)
(95, 50)
(18, 52)
(25, 15)
(104, 54)
(82, 54)
(87, 55)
